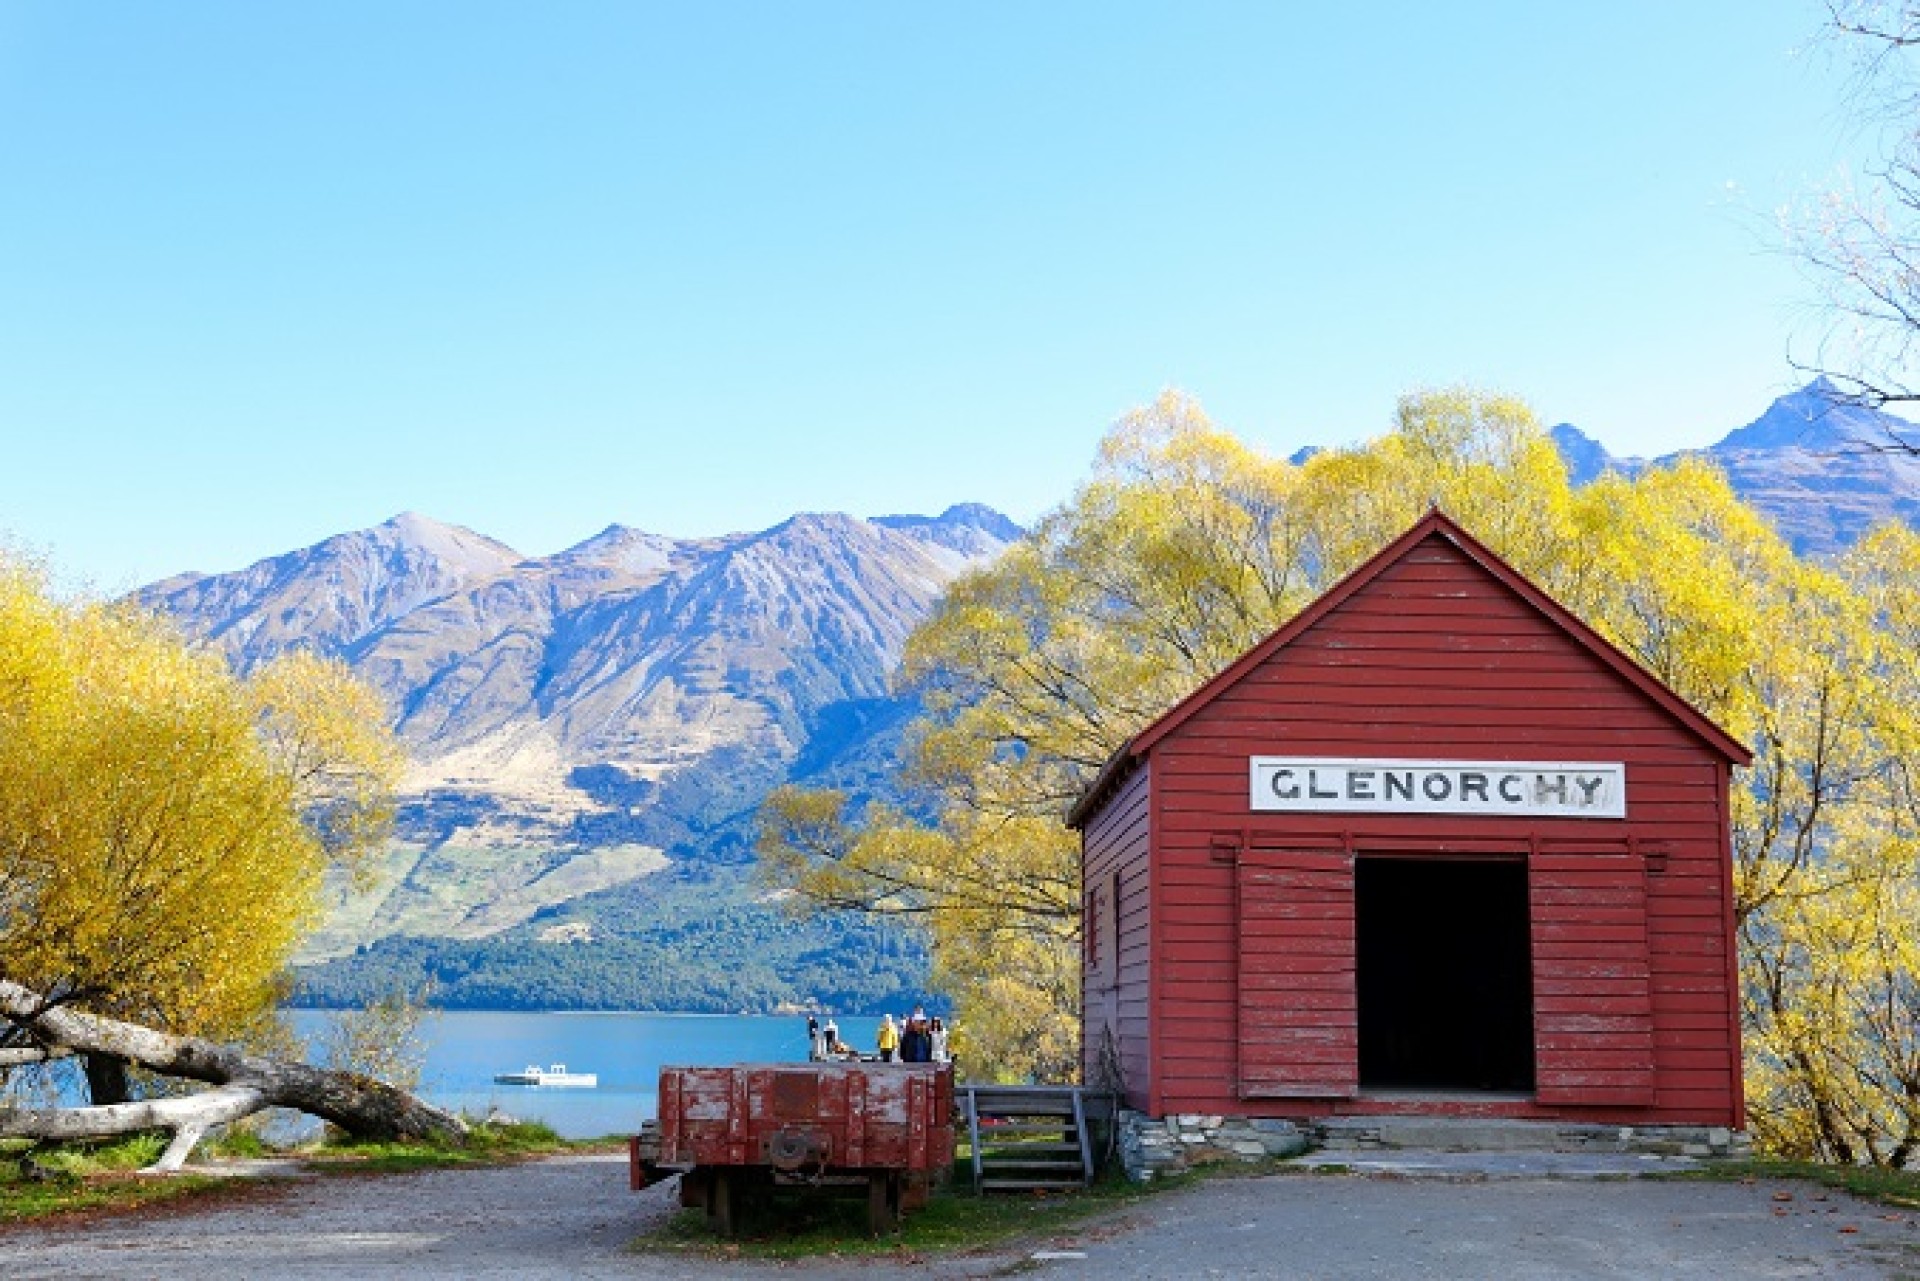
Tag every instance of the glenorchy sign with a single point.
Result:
(1533, 789)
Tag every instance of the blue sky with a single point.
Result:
(275, 271)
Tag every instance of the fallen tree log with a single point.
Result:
(28, 1056)
(246, 1083)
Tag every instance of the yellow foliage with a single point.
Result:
(163, 825)
(324, 729)
(1827, 870)
(1186, 546)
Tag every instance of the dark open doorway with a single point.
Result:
(1445, 982)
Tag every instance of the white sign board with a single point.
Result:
(1513, 789)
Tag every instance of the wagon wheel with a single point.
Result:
(883, 1202)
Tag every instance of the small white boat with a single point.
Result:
(554, 1074)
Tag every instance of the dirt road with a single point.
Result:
(573, 1217)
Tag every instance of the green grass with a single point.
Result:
(1890, 1187)
(485, 1145)
(235, 1144)
(88, 1176)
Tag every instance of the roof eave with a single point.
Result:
(1116, 769)
(1438, 522)
(1434, 522)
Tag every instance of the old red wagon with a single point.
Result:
(1434, 846)
(736, 1134)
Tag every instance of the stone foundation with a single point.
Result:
(1152, 1146)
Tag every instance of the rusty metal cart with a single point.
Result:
(737, 1135)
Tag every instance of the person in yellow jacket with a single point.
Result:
(889, 1038)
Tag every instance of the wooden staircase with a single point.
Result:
(1027, 1137)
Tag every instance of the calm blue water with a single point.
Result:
(466, 1048)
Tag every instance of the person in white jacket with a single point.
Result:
(939, 1034)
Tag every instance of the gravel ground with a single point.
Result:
(573, 1217)
(569, 1216)
(1328, 1226)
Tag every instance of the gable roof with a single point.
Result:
(1435, 524)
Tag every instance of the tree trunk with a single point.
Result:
(26, 1056)
(358, 1104)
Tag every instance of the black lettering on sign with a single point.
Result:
(1313, 788)
(1360, 785)
(1542, 788)
(1283, 785)
(1400, 783)
(1510, 789)
(1473, 786)
(1589, 788)
(1438, 787)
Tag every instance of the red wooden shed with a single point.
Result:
(1432, 847)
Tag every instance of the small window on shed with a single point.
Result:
(1101, 929)
(1090, 927)
(1111, 925)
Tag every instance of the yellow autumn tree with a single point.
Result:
(1827, 850)
(163, 824)
(1186, 546)
(1183, 548)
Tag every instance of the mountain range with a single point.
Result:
(1823, 468)
(592, 730)
(585, 721)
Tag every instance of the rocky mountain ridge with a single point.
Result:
(578, 720)
(1823, 468)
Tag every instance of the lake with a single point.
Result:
(465, 1048)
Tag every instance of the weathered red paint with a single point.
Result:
(838, 1116)
(1233, 987)
(736, 1135)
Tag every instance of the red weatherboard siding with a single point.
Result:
(1298, 1017)
(1435, 658)
(1114, 995)
(1592, 1003)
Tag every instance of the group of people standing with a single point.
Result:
(914, 1039)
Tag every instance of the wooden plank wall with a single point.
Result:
(1592, 1007)
(1299, 1023)
(1435, 658)
(1116, 889)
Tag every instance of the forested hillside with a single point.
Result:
(693, 939)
